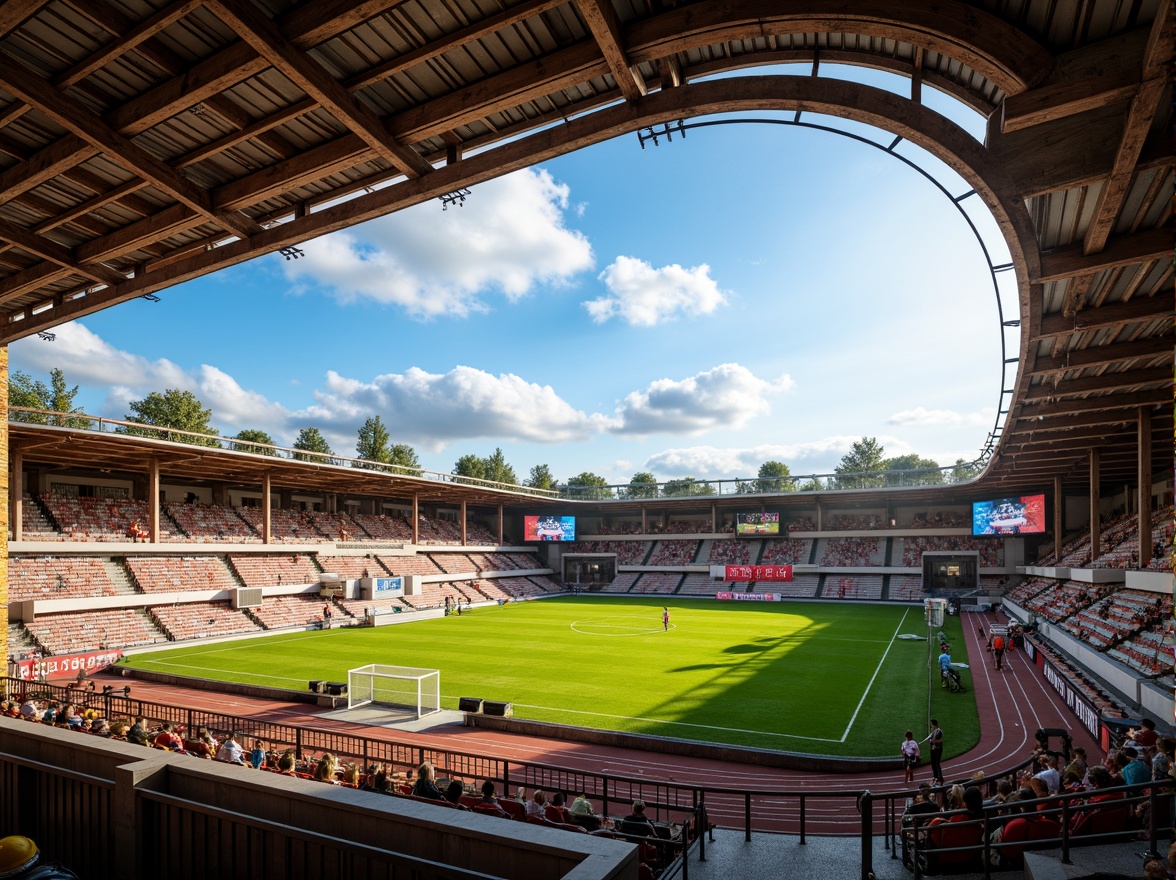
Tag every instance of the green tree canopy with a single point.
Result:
(254, 435)
(812, 484)
(774, 476)
(931, 475)
(56, 396)
(865, 456)
(180, 410)
(588, 486)
(404, 457)
(373, 441)
(498, 470)
(642, 484)
(312, 440)
(963, 471)
(541, 478)
(471, 466)
(686, 486)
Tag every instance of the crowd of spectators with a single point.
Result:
(786, 551)
(854, 522)
(991, 553)
(674, 552)
(852, 552)
(1065, 599)
(731, 552)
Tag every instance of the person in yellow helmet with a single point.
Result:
(21, 860)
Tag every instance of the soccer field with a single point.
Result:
(806, 677)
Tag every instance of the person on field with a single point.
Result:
(998, 649)
(910, 755)
(944, 665)
(666, 618)
(326, 616)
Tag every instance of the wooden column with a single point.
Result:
(153, 498)
(1145, 481)
(17, 504)
(266, 518)
(416, 518)
(1095, 525)
(463, 522)
(1059, 509)
(714, 522)
(4, 494)
(644, 523)
(820, 515)
(499, 525)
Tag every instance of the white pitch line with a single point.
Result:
(869, 686)
(677, 723)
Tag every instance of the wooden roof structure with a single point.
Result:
(147, 142)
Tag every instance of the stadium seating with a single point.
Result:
(802, 524)
(93, 630)
(912, 549)
(856, 586)
(351, 567)
(102, 519)
(204, 523)
(286, 526)
(57, 577)
(258, 570)
(1060, 602)
(384, 528)
(657, 582)
(453, 563)
(786, 551)
(698, 584)
(35, 525)
(403, 565)
(489, 589)
(158, 574)
(279, 612)
(842, 522)
(730, 551)
(905, 588)
(201, 620)
(850, 552)
(521, 587)
(622, 583)
(802, 586)
(674, 552)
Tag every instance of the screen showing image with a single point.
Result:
(1009, 516)
(757, 524)
(549, 528)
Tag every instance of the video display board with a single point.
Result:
(549, 528)
(1009, 516)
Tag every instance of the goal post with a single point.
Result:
(406, 687)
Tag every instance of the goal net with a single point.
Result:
(406, 687)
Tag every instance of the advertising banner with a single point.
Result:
(757, 573)
(747, 597)
(65, 665)
(1087, 714)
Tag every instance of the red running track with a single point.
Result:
(1012, 705)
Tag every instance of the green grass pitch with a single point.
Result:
(806, 677)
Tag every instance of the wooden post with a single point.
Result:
(1057, 519)
(1145, 481)
(416, 518)
(1095, 525)
(153, 498)
(499, 525)
(17, 494)
(463, 522)
(4, 493)
(266, 524)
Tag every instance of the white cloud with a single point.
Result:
(509, 236)
(727, 396)
(435, 409)
(644, 296)
(713, 462)
(920, 416)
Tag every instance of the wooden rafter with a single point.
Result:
(1123, 250)
(602, 21)
(1114, 315)
(1101, 383)
(269, 42)
(1113, 353)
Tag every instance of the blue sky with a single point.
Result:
(750, 292)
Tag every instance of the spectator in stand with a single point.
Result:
(556, 811)
(583, 814)
(138, 732)
(1049, 774)
(537, 805)
(203, 746)
(1136, 770)
(230, 750)
(257, 755)
(425, 786)
(286, 764)
(1144, 737)
(1162, 763)
(326, 769)
(637, 822)
(490, 799)
(453, 794)
(167, 738)
(1078, 764)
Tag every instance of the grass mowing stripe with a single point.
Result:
(874, 677)
(791, 672)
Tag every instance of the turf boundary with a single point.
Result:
(564, 732)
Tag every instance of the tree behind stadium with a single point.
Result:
(180, 410)
(24, 391)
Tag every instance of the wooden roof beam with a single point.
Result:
(1032, 425)
(56, 253)
(267, 40)
(1102, 382)
(1113, 315)
(14, 13)
(1102, 403)
(602, 21)
(1140, 116)
(77, 118)
(1122, 250)
(1112, 353)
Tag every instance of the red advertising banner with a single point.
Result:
(65, 665)
(747, 597)
(758, 573)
